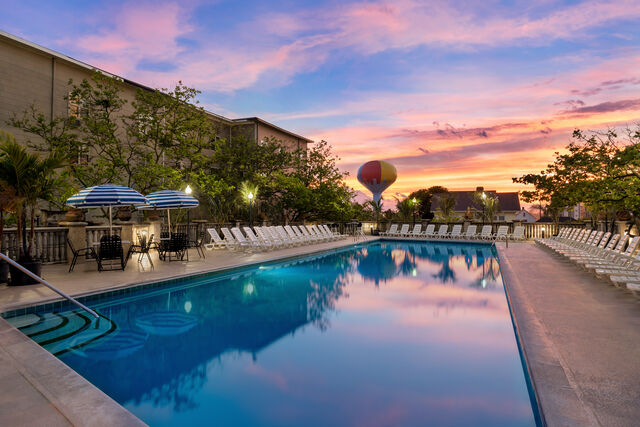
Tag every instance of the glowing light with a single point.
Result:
(484, 283)
(249, 289)
(414, 272)
(250, 196)
(187, 306)
(188, 190)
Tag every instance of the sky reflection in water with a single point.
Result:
(383, 334)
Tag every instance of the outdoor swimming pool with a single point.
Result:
(386, 333)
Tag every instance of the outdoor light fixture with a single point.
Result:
(188, 190)
(250, 197)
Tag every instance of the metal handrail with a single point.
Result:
(48, 285)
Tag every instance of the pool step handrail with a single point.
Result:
(48, 285)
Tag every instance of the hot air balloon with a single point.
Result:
(377, 176)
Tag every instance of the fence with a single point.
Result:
(50, 244)
(532, 230)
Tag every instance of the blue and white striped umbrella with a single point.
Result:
(170, 199)
(107, 195)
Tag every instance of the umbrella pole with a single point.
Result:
(110, 222)
(169, 221)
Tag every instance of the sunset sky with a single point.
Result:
(454, 93)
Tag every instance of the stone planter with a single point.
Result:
(74, 215)
(124, 214)
(18, 278)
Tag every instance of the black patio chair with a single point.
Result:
(80, 252)
(142, 249)
(110, 249)
(177, 245)
(198, 245)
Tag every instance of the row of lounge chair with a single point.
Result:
(456, 232)
(272, 237)
(613, 258)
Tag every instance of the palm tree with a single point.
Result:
(26, 178)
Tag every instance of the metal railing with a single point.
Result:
(48, 285)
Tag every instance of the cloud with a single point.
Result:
(606, 107)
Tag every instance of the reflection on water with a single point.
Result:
(386, 334)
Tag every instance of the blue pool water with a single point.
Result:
(388, 333)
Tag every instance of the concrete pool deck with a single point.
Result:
(580, 337)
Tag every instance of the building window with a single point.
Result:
(76, 107)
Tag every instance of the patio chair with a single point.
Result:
(80, 252)
(442, 231)
(471, 232)
(501, 234)
(429, 232)
(518, 233)
(110, 249)
(391, 231)
(255, 241)
(485, 233)
(142, 249)
(417, 230)
(236, 235)
(456, 232)
(198, 244)
(216, 240)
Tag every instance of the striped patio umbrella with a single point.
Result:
(106, 195)
(170, 199)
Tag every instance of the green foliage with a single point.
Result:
(487, 206)
(424, 197)
(598, 169)
(26, 178)
(406, 208)
(447, 204)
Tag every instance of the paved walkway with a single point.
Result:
(581, 338)
(37, 389)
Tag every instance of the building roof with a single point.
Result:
(271, 125)
(509, 202)
(26, 44)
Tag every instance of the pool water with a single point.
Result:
(380, 334)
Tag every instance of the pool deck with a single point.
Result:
(581, 338)
(37, 389)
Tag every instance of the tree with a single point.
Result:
(405, 208)
(446, 206)
(425, 197)
(488, 206)
(598, 169)
(26, 178)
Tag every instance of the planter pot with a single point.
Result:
(152, 215)
(4, 272)
(124, 214)
(18, 278)
(74, 215)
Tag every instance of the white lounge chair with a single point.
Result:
(485, 233)
(429, 232)
(456, 232)
(471, 232)
(255, 241)
(417, 229)
(242, 241)
(267, 238)
(404, 230)
(216, 241)
(442, 231)
(518, 233)
(391, 231)
(501, 234)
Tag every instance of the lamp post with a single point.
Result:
(250, 197)
(413, 208)
(484, 198)
(188, 191)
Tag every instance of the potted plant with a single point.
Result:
(26, 178)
